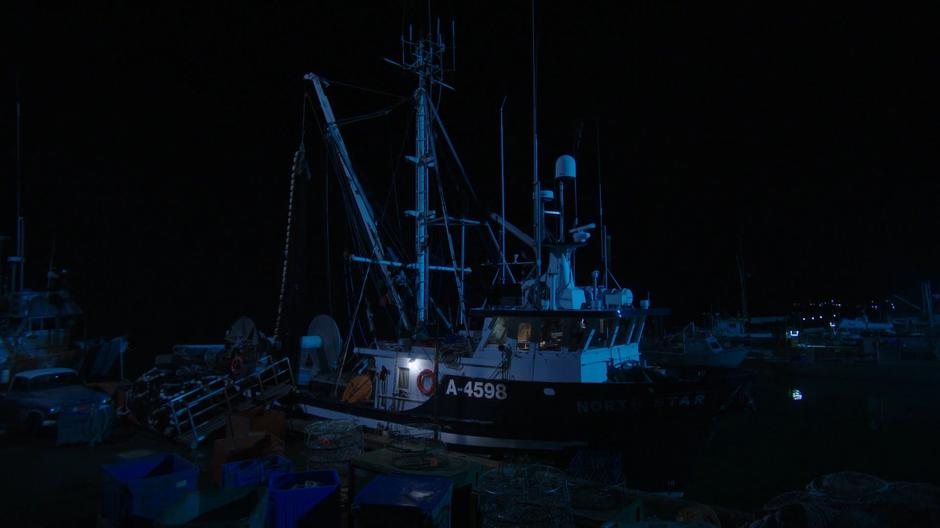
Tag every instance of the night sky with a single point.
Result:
(157, 143)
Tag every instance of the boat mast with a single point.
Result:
(18, 271)
(421, 159)
(536, 184)
(426, 61)
(502, 194)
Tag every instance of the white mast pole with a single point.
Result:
(421, 190)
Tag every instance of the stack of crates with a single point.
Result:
(307, 498)
(144, 487)
(253, 472)
(404, 500)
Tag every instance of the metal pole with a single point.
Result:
(536, 184)
(463, 239)
(502, 193)
(20, 223)
(19, 178)
(600, 201)
(421, 191)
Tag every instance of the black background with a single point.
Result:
(157, 143)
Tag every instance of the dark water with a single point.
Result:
(803, 428)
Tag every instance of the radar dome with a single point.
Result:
(565, 167)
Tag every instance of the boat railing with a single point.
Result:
(202, 411)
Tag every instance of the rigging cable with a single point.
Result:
(450, 240)
(326, 238)
(362, 88)
(342, 362)
(372, 115)
(453, 151)
(358, 236)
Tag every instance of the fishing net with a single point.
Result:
(602, 466)
(525, 495)
(596, 497)
(847, 486)
(854, 499)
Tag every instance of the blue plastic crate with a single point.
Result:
(145, 486)
(253, 472)
(404, 500)
(218, 508)
(292, 506)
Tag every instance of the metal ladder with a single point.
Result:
(200, 412)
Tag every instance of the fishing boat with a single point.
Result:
(544, 364)
(43, 328)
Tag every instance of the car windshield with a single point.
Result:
(52, 381)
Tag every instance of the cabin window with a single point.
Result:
(498, 331)
(48, 323)
(524, 335)
(600, 327)
(624, 331)
(552, 334)
(563, 334)
(577, 333)
(403, 376)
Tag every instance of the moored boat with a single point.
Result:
(551, 365)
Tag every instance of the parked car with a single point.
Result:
(35, 398)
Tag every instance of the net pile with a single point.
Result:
(525, 495)
(854, 499)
